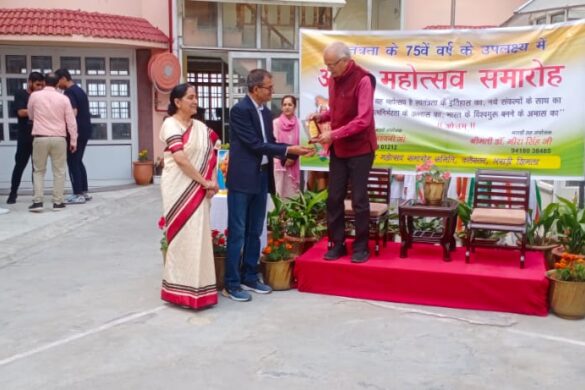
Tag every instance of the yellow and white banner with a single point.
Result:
(502, 98)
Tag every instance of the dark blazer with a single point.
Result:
(247, 147)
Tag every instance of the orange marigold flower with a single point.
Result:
(288, 247)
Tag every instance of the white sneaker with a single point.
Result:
(75, 199)
(4, 211)
(87, 196)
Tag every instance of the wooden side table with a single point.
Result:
(409, 209)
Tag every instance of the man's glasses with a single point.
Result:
(334, 64)
(270, 88)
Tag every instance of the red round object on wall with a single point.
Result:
(164, 70)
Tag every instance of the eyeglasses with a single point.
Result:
(270, 88)
(335, 63)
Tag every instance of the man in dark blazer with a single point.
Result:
(250, 178)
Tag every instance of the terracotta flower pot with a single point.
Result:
(142, 172)
(278, 274)
(567, 299)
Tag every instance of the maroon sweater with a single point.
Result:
(343, 101)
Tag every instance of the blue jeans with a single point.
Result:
(246, 213)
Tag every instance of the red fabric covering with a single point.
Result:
(492, 281)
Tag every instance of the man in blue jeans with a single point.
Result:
(250, 178)
(80, 104)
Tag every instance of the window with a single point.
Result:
(239, 25)
(99, 131)
(119, 88)
(119, 66)
(557, 18)
(43, 64)
(104, 74)
(121, 131)
(120, 110)
(96, 87)
(95, 66)
(315, 17)
(72, 64)
(13, 85)
(200, 23)
(278, 27)
(540, 20)
(98, 109)
(16, 64)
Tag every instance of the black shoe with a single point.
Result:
(11, 198)
(36, 207)
(335, 252)
(360, 256)
(58, 206)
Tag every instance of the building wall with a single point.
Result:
(421, 13)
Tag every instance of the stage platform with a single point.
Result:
(492, 281)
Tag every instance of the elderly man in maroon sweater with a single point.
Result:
(353, 145)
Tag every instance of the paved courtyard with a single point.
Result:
(80, 309)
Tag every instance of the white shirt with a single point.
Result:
(259, 110)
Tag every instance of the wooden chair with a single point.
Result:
(500, 203)
(379, 196)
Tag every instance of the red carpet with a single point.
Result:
(492, 281)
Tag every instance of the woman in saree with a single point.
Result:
(287, 130)
(187, 184)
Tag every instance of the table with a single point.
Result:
(409, 209)
(219, 215)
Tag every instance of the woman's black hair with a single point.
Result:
(177, 93)
(291, 97)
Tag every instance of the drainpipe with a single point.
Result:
(170, 7)
(453, 6)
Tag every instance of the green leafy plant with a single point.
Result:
(541, 231)
(276, 218)
(305, 214)
(427, 224)
(143, 155)
(570, 226)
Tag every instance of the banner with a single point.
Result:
(502, 98)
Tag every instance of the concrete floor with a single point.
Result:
(80, 309)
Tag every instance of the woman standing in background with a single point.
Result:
(286, 130)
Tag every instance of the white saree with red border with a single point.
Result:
(189, 272)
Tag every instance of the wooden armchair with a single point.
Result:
(500, 203)
(379, 196)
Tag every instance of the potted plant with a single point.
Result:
(143, 168)
(570, 227)
(277, 263)
(219, 241)
(540, 235)
(276, 218)
(305, 219)
(567, 286)
(433, 180)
